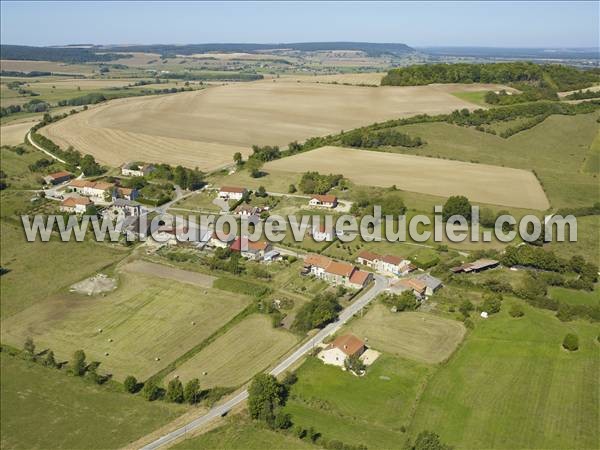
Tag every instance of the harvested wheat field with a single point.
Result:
(205, 128)
(479, 182)
(370, 78)
(14, 134)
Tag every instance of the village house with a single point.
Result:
(422, 286)
(96, 189)
(216, 242)
(323, 201)
(136, 169)
(58, 177)
(335, 272)
(476, 266)
(432, 283)
(125, 193)
(247, 211)
(386, 264)
(250, 250)
(77, 205)
(122, 208)
(232, 192)
(341, 348)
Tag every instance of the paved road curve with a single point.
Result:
(345, 315)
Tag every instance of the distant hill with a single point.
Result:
(55, 54)
(372, 49)
(514, 53)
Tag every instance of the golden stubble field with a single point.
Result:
(479, 182)
(205, 128)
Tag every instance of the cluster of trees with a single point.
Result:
(427, 440)
(40, 164)
(528, 94)
(457, 205)
(89, 99)
(226, 260)
(539, 258)
(191, 179)
(557, 76)
(208, 76)
(32, 74)
(175, 392)
(266, 396)
(87, 163)
(583, 95)
(391, 202)
(77, 366)
(72, 55)
(317, 313)
(265, 153)
(406, 301)
(315, 183)
(31, 106)
(593, 210)
(370, 139)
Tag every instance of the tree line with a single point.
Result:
(556, 76)
(370, 139)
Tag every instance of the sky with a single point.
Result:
(493, 24)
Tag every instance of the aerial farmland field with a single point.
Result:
(205, 128)
(144, 319)
(481, 183)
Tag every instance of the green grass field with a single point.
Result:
(33, 277)
(477, 97)
(574, 297)
(45, 408)
(588, 241)
(201, 201)
(146, 318)
(511, 385)
(241, 434)
(248, 348)
(418, 336)
(370, 410)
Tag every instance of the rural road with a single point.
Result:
(42, 149)
(217, 411)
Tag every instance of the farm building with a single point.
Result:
(58, 177)
(136, 169)
(77, 205)
(386, 264)
(323, 201)
(232, 192)
(335, 272)
(341, 348)
(87, 188)
(432, 283)
(417, 287)
(476, 266)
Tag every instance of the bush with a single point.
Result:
(492, 303)
(151, 391)
(516, 311)
(571, 342)
(130, 384)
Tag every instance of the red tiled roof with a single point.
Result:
(360, 277)
(237, 190)
(60, 174)
(240, 242)
(317, 260)
(340, 268)
(125, 191)
(71, 202)
(414, 284)
(369, 256)
(348, 343)
(325, 198)
(80, 183)
(390, 259)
